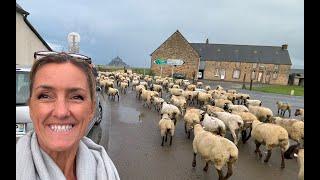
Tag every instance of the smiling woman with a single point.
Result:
(62, 103)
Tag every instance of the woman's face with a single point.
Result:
(60, 106)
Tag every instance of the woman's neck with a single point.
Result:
(66, 160)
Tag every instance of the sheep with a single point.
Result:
(215, 149)
(219, 87)
(159, 81)
(220, 102)
(146, 96)
(180, 102)
(144, 83)
(166, 126)
(192, 116)
(172, 110)
(190, 96)
(176, 91)
(112, 92)
(283, 107)
(176, 86)
(157, 102)
(295, 151)
(252, 102)
(211, 109)
(179, 81)
(156, 87)
(185, 82)
(230, 107)
(207, 88)
(233, 122)
(135, 82)
(294, 127)
(231, 97)
(191, 87)
(233, 91)
(241, 97)
(300, 112)
(199, 84)
(165, 84)
(139, 90)
(214, 125)
(262, 113)
(204, 98)
(170, 85)
(247, 118)
(270, 135)
(123, 87)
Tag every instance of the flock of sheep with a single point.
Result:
(210, 114)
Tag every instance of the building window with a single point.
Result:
(237, 64)
(254, 65)
(276, 67)
(275, 75)
(253, 75)
(216, 72)
(236, 74)
(262, 67)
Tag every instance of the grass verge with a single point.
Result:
(281, 89)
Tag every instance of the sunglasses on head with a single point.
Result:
(39, 54)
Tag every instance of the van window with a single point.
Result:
(22, 87)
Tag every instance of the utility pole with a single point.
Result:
(244, 79)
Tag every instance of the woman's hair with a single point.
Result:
(64, 58)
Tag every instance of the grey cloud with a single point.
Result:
(133, 29)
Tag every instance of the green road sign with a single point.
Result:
(160, 61)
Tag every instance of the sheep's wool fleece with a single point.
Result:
(92, 161)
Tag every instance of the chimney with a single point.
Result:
(207, 41)
(284, 46)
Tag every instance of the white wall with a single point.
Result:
(27, 42)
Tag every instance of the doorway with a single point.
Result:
(222, 74)
(260, 74)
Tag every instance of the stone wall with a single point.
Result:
(265, 71)
(176, 47)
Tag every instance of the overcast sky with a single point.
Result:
(133, 29)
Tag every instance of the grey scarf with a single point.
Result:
(33, 163)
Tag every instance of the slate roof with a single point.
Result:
(242, 53)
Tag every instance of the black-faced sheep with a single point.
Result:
(300, 112)
(295, 151)
(283, 107)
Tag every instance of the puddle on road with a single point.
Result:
(130, 115)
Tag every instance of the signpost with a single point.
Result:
(172, 62)
(175, 62)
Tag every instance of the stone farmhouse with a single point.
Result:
(224, 62)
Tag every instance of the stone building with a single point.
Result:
(226, 62)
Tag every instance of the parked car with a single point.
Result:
(179, 76)
(23, 121)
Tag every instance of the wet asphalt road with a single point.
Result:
(134, 145)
